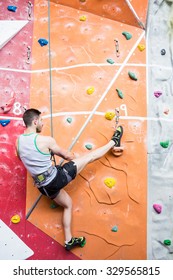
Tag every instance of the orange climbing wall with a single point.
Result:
(79, 53)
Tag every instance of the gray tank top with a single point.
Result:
(35, 161)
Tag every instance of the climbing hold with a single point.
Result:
(53, 205)
(110, 182)
(69, 120)
(163, 52)
(166, 111)
(164, 144)
(167, 242)
(127, 35)
(4, 122)
(115, 229)
(157, 94)
(109, 115)
(120, 94)
(12, 8)
(42, 42)
(90, 90)
(88, 146)
(82, 1)
(132, 76)
(7, 107)
(141, 47)
(15, 219)
(82, 18)
(110, 60)
(157, 208)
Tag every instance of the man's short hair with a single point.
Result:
(30, 115)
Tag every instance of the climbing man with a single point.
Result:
(35, 152)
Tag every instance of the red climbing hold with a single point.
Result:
(157, 208)
(7, 107)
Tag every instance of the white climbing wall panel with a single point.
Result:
(11, 246)
(160, 130)
(9, 28)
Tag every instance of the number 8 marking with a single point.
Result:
(17, 108)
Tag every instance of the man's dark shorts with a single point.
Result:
(65, 174)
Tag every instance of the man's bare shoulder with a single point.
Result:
(45, 138)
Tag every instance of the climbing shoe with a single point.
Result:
(74, 242)
(117, 136)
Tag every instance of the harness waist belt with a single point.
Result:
(40, 178)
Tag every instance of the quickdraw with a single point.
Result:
(117, 113)
(117, 47)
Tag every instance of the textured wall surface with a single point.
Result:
(160, 133)
(81, 53)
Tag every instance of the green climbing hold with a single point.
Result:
(115, 229)
(127, 35)
(69, 120)
(53, 205)
(110, 60)
(167, 242)
(132, 76)
(88, 146)
(164, 144)
(120, 94)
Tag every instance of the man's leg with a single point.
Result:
(64, 200)
(114, 143)
(81, 162)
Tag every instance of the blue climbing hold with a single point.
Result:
(42, 42)
(12, 8)
(4, 122)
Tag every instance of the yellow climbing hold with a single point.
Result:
(15, 219)
(110, 182)
(90, 90)
(141, 47)
(82, 18)
(109, 115)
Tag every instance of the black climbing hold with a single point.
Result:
(4, 122)
(163, 52)
(42, 42)
(12, 8)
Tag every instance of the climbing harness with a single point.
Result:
(43, 176)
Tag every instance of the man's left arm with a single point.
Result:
(16, 148)
(55, 149)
